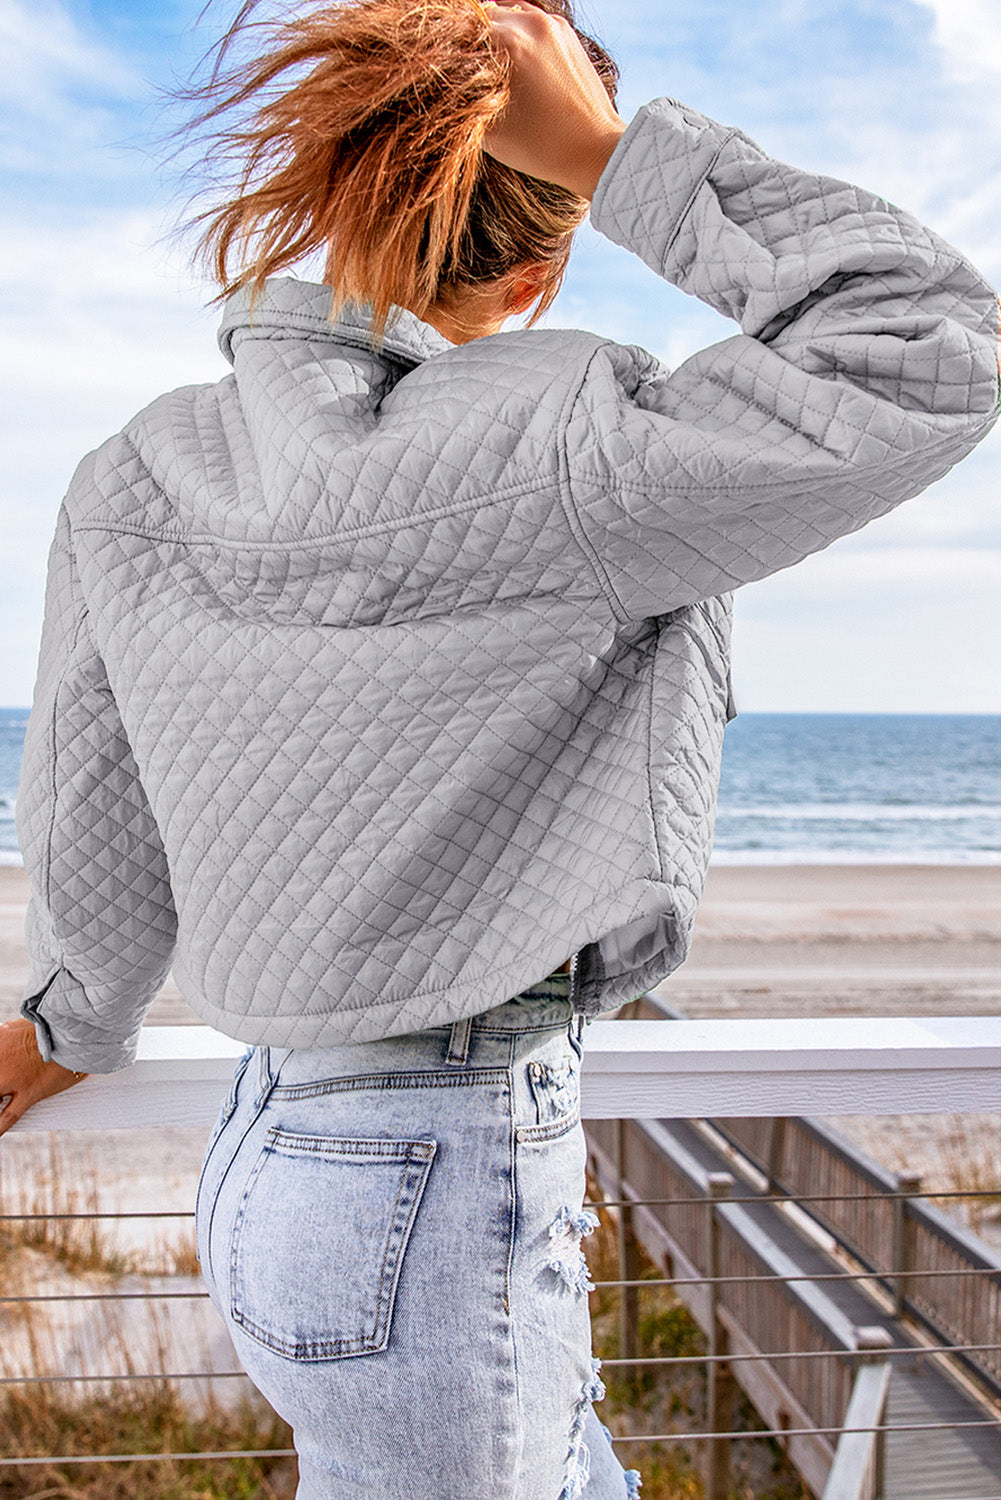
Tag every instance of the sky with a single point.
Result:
(101, 312)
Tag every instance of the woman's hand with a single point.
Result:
(560, 124)
(24, 1077)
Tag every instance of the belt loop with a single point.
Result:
(458, 1042)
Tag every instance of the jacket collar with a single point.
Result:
(301, 309)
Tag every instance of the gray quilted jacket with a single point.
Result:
(374, 684)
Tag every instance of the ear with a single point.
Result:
(527, 284)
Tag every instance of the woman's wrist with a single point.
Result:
(587, 174)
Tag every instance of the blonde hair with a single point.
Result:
(358, 127)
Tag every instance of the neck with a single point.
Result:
(467, 313)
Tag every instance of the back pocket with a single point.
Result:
(319, 1241)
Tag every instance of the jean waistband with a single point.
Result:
(542, 1009)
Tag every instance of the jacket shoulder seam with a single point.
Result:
(576, 526)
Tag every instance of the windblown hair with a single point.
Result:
(357, 129)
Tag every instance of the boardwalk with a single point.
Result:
(939, 1465)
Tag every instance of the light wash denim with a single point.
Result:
(392, 1231)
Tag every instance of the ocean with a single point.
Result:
(803, 789)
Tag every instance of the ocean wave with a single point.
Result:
(856, 857)
(864, 812)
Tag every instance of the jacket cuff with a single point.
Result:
(58, 1007)
(652, 177)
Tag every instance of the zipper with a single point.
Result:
(574, 963)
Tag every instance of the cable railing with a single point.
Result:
(660, 1103)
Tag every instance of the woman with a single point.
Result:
(388, 675)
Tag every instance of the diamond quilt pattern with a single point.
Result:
(376, 681)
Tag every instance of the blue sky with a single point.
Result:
(100, 313)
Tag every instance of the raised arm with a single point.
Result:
(866, 367)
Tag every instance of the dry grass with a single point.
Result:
(50, 1253)
(50, 1193)
(971, 1165)
(139, 1419)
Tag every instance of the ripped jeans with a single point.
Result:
(391, 1231)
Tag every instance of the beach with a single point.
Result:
(831, 940)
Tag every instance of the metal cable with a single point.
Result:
(674, 1281)
(632, 1437)
(148, 1458)
(779, 1198)
(104, 1297)
(606, 1364)
(131, 1375)
(803, 1276)
(771, 1357)
(151, 1213)
(784, 1432)
(638, 1437)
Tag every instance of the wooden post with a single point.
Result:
(719, 1380)
(907, 1185)
(776, 1152)
(857, 1472)
(628, 1257)
(872, 1344)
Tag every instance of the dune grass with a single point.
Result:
(148, 1418)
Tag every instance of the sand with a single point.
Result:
(802, 940)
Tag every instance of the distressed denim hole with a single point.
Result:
(321, 1283)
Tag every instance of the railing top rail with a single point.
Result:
(632, 1069)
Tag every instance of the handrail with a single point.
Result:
(632, 1070)
(856, 1473)
(892, 1233)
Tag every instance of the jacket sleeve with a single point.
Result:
(867, 366)
(101, 924)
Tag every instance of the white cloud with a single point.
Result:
(909, 631)
(927, 136)
(838, 575)
(969, 33)
(44, 49)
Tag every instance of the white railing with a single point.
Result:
(649, 1070)
(632, 1070)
